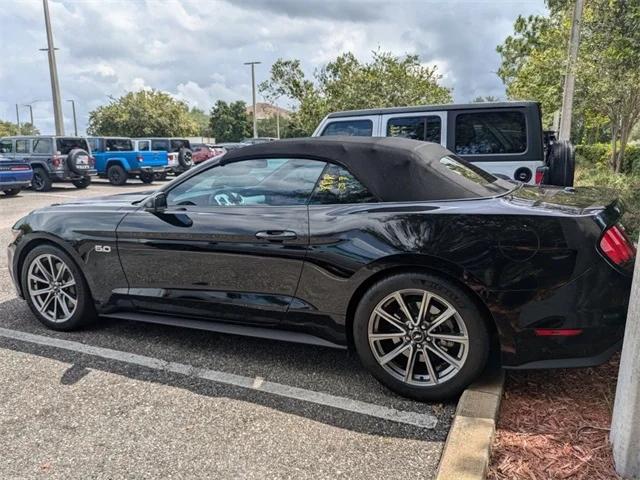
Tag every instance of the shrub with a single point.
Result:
(600, 153)
(627, 186)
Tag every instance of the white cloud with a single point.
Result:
(195, 49)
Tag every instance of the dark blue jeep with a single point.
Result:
(118, 160)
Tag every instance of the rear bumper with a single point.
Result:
(595, 303)
(138, 171)
(10, 180)
(65, 176)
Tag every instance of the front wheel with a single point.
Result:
(117, 175)
(421, 336)
(55, 289)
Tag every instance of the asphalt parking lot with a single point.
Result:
(131, 400)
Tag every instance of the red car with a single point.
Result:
(202, 152)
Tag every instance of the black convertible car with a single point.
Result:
(419, 260)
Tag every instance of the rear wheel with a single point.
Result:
(40, 182)
(146, 177)
(116, 175)
(81, 183)
(12, 192)
(421, 336)
(55, 289)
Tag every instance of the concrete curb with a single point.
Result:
(468, 447)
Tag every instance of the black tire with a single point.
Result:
(41, 182)
(451, 384)
(117, 175)
(81, 183)
(12, 192)
(562, 164)
(78, 161)
(146, 177)
(185, 158)
(84, 311)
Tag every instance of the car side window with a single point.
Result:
(6, 146)
(22, 146)
(93, 144)
(490, 133)
(42, 145)
(143, 146)
(351, 128)
(337, 185)
(273, 181)
(426, 128)
(160, 145)
(118, 145)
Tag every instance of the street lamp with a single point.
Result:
(30, 112)
(53, 71)
(75, 122)
(253, 94)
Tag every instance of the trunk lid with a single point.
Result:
(601, 202)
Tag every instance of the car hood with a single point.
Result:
(578, 200)
(122, 200)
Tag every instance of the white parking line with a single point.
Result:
(423, 420)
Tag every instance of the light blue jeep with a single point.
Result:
(118, 160)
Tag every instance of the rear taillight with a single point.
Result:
(617, 246)
(139, 158)
(92, 161)
(56, 161)
(540, 171)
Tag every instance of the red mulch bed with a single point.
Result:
(554, 424)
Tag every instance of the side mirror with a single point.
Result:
(157, 203)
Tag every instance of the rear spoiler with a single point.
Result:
(611, 214)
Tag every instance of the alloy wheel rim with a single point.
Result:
(418, 337)
(52, 288)
(38, 182)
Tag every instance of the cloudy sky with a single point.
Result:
(194, 49)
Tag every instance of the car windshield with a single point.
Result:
(473, 179)
(65, 145)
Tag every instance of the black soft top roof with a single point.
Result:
(393, 169)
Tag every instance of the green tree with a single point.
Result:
(229, 122)
(607, 97)
(8, 128)
(146, 113)
(202, 121)
(346, 83)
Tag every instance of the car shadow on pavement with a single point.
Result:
(318, 369)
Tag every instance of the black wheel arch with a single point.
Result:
(428, 265)
(31, 241)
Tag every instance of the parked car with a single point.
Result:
(401, 249)
(145, 146)
(504, 138)
(203, 151)
(52, 158)
(118, 160)
(179, 150)
(14, 176)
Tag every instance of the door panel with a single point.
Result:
(209, 262)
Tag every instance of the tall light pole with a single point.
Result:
(75, 122)
(570, 78)
(30, 112)
(53, 71)
(18, 118)
(253, 94)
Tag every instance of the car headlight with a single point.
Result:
(16, 233)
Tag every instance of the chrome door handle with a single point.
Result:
(276, 235)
